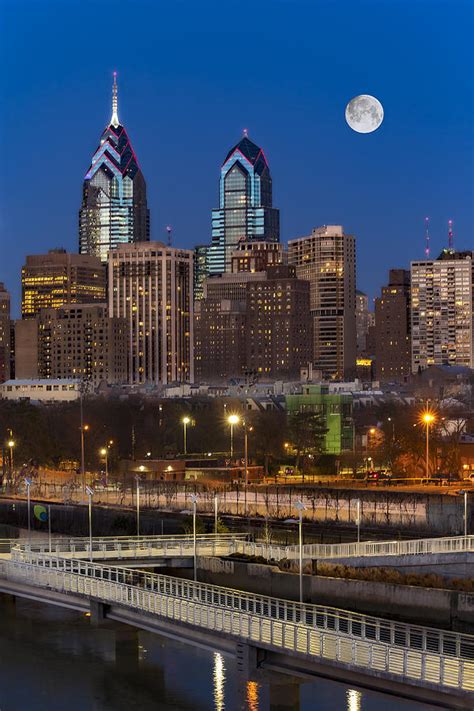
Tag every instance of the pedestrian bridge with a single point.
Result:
(137, 548)
(296, 638)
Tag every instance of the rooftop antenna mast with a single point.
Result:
(450, 235)
(169, 230)
(427, 237)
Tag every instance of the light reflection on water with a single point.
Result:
(354, 700)
(219, 681)
(52, 659)
(252, 696)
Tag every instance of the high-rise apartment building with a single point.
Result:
(4, 334)
(151, 286)
(73, 341)
(442, 311)
(253, 324)
(58, 277)
(114, 204)
(219, 339)
(326, 258)
(245, 212)
(393, 329)
(362, 321)
(279, 325)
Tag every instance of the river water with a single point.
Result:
(54, 660)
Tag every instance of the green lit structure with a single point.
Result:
(336, 408)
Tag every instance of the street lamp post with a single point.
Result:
(11, 444)
(28, 485)
(185, 421)
(301, 507)
(371, 431)
(137, 479)
(105, 453)
(194, 500)
(90, 493)
(465, 494)
(84, 429)
(232, 420)
(358, 519)
(246, 460)
(216, 503)
(428, 419)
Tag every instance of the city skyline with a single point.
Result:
(380, 186)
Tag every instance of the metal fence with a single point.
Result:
(135, 547)
(454, 544)
(410, 652)
(226, 544)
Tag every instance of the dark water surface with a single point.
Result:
(54, 660)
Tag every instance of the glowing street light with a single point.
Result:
(428, 419)
(232, 420)
(186, 421)
(105, 453)
(11, 444)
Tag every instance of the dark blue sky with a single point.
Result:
(193, 74)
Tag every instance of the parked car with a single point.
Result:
(378, 475)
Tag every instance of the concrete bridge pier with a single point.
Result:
(285, 696)
(126, 638)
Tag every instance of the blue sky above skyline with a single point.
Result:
(193, 75)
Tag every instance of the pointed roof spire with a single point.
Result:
(114, 121)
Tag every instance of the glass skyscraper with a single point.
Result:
(114, 206)
(245, 212)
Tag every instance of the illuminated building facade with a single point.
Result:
(58, 277)
(245, 212)
(200, 269)
(151, 286)
(442, 311)
(326, 258)
(4, 333)
(73, 341)
(253, 325)
(114, 203)
(393, 329)
(257, 256)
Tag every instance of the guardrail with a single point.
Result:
(419, 654)
(226, 544)
(134, 547)
(455, 544)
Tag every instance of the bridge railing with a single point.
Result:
(133, 547)
(409, 652)
(344, 622)
(454, 544)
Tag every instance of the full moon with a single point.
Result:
(364, 113)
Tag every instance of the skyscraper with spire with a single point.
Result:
(245, 212)
(114, 206)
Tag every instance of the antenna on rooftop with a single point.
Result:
(169, 230)
(450, 235)
(427, 237)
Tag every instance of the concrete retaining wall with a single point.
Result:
(449, 609)
(448, 565)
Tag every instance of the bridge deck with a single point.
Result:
(413, 655)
